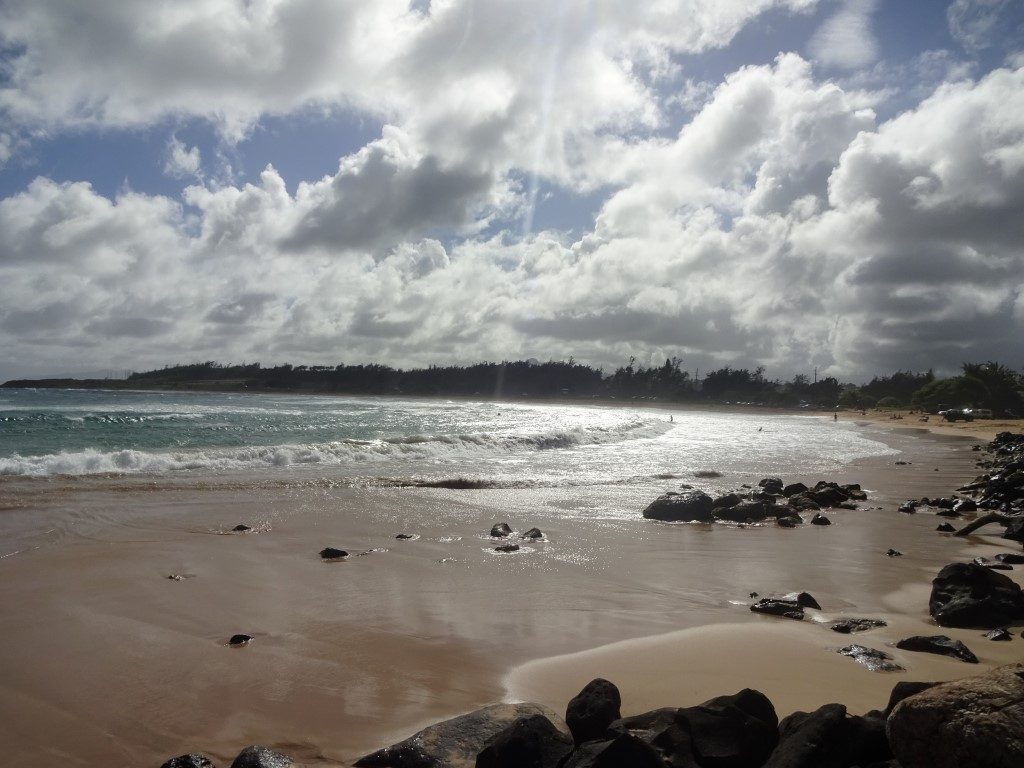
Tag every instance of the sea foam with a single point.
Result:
(335, 453)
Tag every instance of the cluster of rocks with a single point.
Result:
(504, 531)
(978, 722)
(772, 499)
(944, 506)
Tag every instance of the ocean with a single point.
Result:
(49, 432)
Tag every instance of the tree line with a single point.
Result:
(980, 385)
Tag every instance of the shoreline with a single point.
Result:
(685, 667)
(427, 646)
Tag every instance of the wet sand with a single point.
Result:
(105, 661)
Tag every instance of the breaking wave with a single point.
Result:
(335, 453)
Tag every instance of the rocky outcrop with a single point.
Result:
(829, 738)
(940, 644)
(738, 731)
(976, 722)
(685, 506)
(532, 741)
(623, 751)
(456, 743)
(501, 530)
(970, 595)
(592, 710)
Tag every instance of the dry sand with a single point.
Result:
(105, 661)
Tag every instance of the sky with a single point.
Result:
(799, 184)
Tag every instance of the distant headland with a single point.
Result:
(988, 386)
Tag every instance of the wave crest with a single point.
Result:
(335, 453)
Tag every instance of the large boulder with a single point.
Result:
(530, 742)
(455, 743)
(747, 512)
(829, 738)
(687, 506)
(976, 722)
(1015, 529)
(664, 730)
(970, 595)
(592, 710)
(737, 731)
(625, 751)
(903, 690)
(261, 757)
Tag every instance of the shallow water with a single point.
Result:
(392, 440)
(104, 660)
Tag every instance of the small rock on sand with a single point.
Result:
(239, 640)
(332, 553)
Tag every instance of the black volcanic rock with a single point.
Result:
(188, 761)
(970, 595)
(261, 757)
(239, 640)
(687, 506)
(592, 710)
(940, 644)
(532, 742)
(501, 530)
(794, 488)
(625, 751)
(241, 528)
(332, 553)
(872, 658)
(903, 690)
(820, 519)
(788, 609)
(847, 626)
(455, 742)
(507, 548)
(829, 738)
(745, 511)
(728, 500)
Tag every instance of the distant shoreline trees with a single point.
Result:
(984, 385)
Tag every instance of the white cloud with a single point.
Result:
(182, 162)
(846, 40)
(975, 23)
(781, 224)
(6, 148)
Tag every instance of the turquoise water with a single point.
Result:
(82, 432)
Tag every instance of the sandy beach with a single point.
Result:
(107, 661)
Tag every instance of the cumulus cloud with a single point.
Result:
(183, 162)
(846, 40)
(781, 223)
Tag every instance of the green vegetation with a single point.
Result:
(981, 385)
